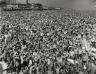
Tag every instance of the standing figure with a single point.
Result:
(1, 69)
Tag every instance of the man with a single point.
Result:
(1, 69)
(18, 65)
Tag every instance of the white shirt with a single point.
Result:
(4, 65)
(59, 60)
(71, 61)
(30, 62)
(22, 59)
(48, 61)
(34, 53)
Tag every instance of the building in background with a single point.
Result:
(10, 1)
(7, 1)
(17, 5)
(16, 1)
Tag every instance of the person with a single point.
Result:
(93, 68)
(1, 69)
(24, 65)
(81, 72)
(5, 66)
(30, 62)
(18, 65)
(33, 71)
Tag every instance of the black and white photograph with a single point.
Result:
(47, 36)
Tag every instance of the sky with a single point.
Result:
(76, 4)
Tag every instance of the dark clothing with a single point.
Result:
(18, 65)
(25, 64)
(1, 69)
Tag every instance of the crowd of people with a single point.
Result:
(47, 42)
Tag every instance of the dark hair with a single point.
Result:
(5, 60)
(0, 59)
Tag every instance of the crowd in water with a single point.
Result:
(47, 42)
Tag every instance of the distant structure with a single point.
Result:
(15, 5)
(7, 1)
(27, 2)
(14, 1)
(10, 1)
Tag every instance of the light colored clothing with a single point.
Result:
(5, 72)
(59, 60)
(34, 53)
(4, 65)
(49, 61)
(81, 72)
(93, 68)
(23, 46)
(71, 61)
(30, 62)
(49, 72)
(21, 73)
(57, 70)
